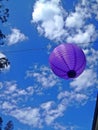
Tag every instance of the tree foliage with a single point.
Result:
(9, 125)
(4, 14)
(1, 121)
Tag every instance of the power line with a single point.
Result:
(24, 50)
(29, 49)
(48, 48)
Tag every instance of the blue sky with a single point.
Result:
(30, 94)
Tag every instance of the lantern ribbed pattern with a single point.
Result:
(67, 61)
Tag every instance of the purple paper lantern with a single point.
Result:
(67, 61)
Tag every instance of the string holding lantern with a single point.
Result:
(67, 61)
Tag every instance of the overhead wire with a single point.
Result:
(29, 49)
(26, 50)
(23, 50)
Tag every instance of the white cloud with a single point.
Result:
(51, 111)
(49, 16)
(57, 24)
(58, 126)
(13, 100)
(11, 96)
(74, 20)
(86, 81)
(45, 113)
(7, 106)
(92, 7)
(92, 57)
(28, 115)
(95, 10)
(10, 92)
(43, 76)
(45, 10)
(15, 37)
(70, 98)
(47, 105)
(84, 37)
(1, 85)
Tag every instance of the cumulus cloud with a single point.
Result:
(58, 126)
(28, 115)
(47, 105)
(84, 37)
(57, 24)
(46, 113)
(79, 31)
(92, 58)
(91, 6)
(43, 76)
(43, 13)
(71, 98)
(13, 101)
(85, 82)
(88, 80)
(7, 106)
(10, 92)
(11, 96)
(50, 16)
(74, 20)
(51, 111)
(15, 37)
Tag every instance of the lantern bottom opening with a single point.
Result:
(71, 73)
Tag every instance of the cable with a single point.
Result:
(29, 49)
(48, 47)
(23, 50)
(26, 50)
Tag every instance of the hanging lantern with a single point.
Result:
(67, 61)
(4, 63)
